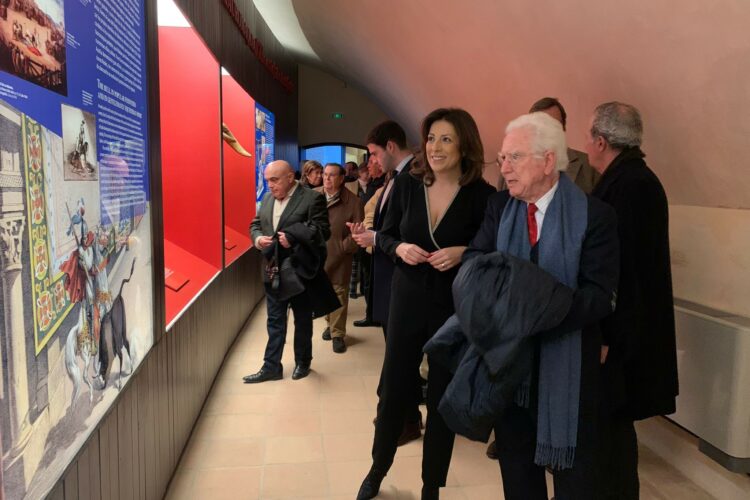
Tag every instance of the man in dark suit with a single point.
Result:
(387, 144)
(640, 367)
(544, 218)
(295, 219)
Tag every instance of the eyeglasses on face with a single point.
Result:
(514, 158)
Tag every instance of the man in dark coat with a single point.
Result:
(640, 372)
(343, 207)
(288, 211)
(532, 158)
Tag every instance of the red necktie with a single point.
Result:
(531, 222)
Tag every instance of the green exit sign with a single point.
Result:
(337, 116)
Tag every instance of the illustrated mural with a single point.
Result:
(75, 228)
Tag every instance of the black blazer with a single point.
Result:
(641, 331)
(306, 206)
(597, 283)
(382, 265)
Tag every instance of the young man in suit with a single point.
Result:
(289, 217)
(387, 144)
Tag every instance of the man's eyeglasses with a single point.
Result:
(514, 158)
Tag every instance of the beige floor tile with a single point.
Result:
(471, 470)
(203, 454)
(334, 383)
(294, 449)
(181, 486)
(295, 481)
(229, 484)
(340, 447)
(303, 402)
(294, 424)
(346, 477)
(483, 492)
(227, 404)
(238, 426)
(348, 422)
(344, 401)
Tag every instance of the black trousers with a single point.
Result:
(398, 392)
(365, 269)
(618, 458)
(277, 319)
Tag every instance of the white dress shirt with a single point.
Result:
(542, 204)
(387, 190)
(279, 206)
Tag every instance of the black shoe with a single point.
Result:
(365, 322)
(339, 345)
(370, 486)
(430, 493)
(301, 371)
(492, 450)
(327, 334)
(263, 375)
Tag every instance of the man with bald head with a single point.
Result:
(291, 222)
(544, 218)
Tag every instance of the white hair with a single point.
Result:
(547, 134)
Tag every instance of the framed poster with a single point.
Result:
(75, 226)
(264, 141)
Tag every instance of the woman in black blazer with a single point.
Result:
(434, 213)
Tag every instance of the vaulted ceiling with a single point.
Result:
(685, 65)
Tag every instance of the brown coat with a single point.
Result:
(341, 246)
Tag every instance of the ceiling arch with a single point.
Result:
(685, 65)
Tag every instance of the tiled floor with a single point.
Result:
(311, 438)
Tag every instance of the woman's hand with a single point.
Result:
(412, 254)
(446, 258)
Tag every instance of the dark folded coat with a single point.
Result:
(501, 302)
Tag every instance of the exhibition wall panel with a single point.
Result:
(191, 165)
(133, 452)
(238, 130)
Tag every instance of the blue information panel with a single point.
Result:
(264, 141)
(74, 225)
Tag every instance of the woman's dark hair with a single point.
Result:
(469, 144)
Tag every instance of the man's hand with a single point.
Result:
(412, 254)
(362, 236)
(603, 355)
(263, 242)
(284, 242)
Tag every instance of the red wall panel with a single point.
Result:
(190, 142)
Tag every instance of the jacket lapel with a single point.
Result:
(291, 206)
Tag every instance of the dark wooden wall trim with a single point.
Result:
(134, 451)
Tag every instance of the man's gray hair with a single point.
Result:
(619, 124)
(547, 135)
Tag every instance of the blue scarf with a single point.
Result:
(559, 250)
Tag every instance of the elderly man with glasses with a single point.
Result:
(544, 218)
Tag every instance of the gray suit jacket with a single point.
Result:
(306, 206)
(580, 172)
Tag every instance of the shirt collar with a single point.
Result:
(291, 191)
(543, 202)
(403, 163)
